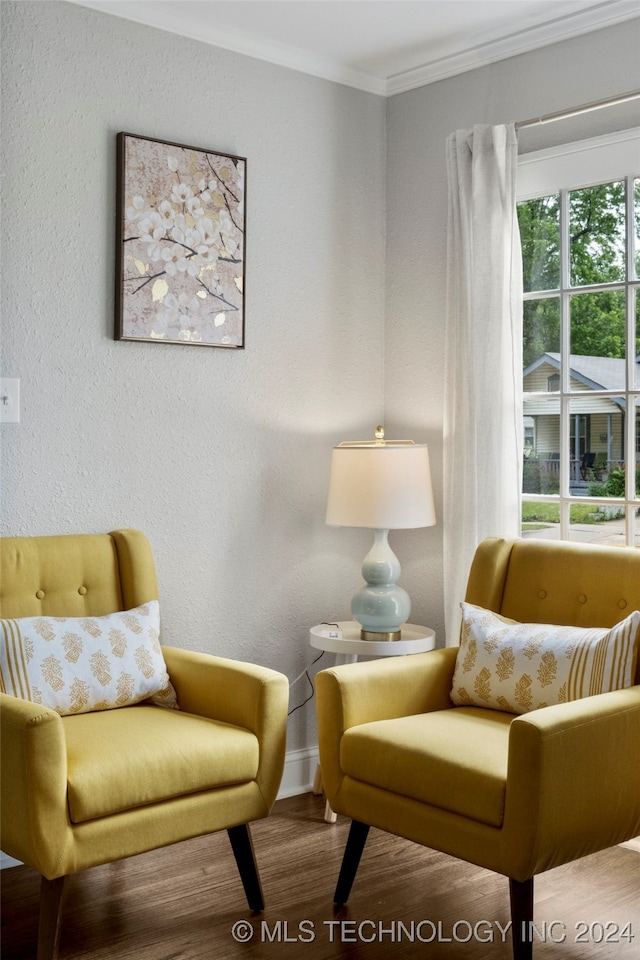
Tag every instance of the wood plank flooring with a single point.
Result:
(181, 903)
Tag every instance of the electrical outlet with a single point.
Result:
(9, 400)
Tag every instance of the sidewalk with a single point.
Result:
(609, 532)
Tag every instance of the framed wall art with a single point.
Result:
(180, 244)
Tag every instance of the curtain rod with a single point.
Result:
(586, 108)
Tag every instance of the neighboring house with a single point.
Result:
(596, 422)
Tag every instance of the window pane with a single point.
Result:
(597, 234)
(636, 508)
(541, 415)
(596, 523)
(598, 329)
(573, 240)
(637, 378)
(541, 334)
(541, 472)
(539, 222)
(637, 459)
(596, 446)
(540, 520)
(637, 231)
(541, 434)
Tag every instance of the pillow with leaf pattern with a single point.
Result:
(518, 667)
(80, 664)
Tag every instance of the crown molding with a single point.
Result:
(165, 16)
(563, 28)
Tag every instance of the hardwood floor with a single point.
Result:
(181, 902)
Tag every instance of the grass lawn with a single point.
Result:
(535, 516)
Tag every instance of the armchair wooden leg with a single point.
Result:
(358, 834)
(522, 918)
(51, 902)
(242, 846)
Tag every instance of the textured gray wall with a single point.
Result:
(221, 457)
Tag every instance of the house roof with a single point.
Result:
(597, 373)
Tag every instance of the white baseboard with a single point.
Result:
(299, 773)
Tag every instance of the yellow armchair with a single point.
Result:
(518, 794)
(91, 788)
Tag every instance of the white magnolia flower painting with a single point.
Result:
(180, 245)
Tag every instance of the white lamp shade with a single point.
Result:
(380, 486)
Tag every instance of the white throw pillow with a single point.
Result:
(79, 664)
(517, 667)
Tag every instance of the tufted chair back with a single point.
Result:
(535, 581)
(85, 575)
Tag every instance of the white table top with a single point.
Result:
(413, 639)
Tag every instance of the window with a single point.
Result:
(579, 216)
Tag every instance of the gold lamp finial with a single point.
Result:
(379, 433)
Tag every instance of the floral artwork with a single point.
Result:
(180, 246)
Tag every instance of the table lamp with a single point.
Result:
(383, 485)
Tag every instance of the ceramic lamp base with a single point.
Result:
(381, 606)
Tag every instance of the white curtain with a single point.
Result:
(483, 408)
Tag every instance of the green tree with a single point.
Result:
(598, 324)
(539, 222)
(596, 256)
(597, 234)
(540, 328)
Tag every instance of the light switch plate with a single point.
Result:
(9, 400)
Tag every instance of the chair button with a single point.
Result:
(39, 594)
(542, 594)
(82, 591)
(582, 598)
(622, 604)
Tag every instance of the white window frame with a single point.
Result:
(574, 166)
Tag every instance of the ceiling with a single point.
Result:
(382, 46)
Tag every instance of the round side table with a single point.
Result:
(413, 639)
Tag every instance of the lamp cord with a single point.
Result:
(305, 673)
